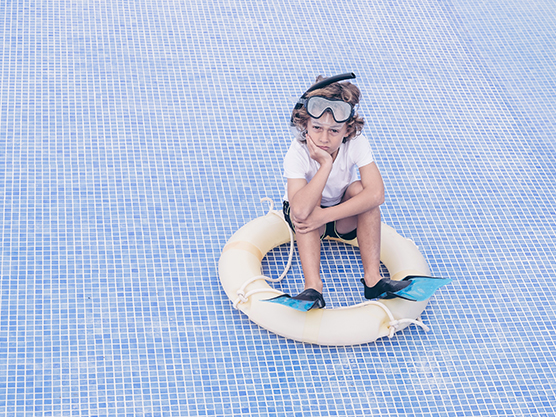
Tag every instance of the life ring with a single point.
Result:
(240, 275)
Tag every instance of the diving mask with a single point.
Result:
(317, 105)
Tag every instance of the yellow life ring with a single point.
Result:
(240, 275)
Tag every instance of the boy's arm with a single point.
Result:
(305, 196)
(372, 196)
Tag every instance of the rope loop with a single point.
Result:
(271, 204)
(395, 325)
(243, 297)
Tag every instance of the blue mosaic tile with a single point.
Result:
(137, 137)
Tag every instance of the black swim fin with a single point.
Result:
(383, 287)
(304, 301)
(420, 288)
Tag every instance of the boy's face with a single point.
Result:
(326, 133)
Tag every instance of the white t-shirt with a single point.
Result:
(354, 153)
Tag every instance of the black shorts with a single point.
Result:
(330, 230)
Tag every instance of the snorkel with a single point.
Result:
(316, 106)
(328, 81)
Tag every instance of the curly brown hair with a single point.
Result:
(344, 91)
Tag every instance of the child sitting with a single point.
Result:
(324, 197)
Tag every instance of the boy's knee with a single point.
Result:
(356, 188)
(298, 215)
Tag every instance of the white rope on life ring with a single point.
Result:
(240, 269)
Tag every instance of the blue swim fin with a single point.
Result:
(305, 301)
(421, 288)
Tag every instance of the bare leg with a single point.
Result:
(368, 236)
(308, 246)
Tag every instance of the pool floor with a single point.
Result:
(137, 136)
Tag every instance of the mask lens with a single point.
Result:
(316, 106)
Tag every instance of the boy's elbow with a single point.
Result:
(380, 199)
(376, 198)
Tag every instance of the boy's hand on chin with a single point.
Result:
(316, 153)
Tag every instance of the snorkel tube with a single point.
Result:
(328, 81)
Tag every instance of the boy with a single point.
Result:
(323, 197)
